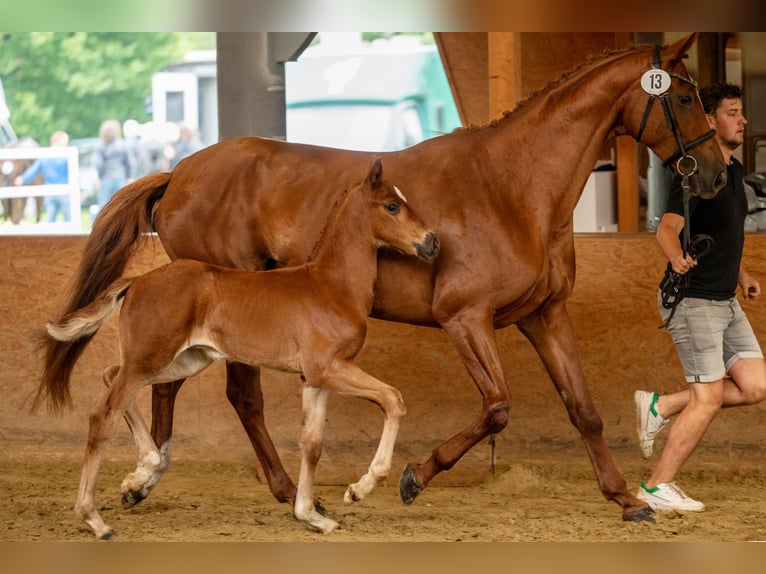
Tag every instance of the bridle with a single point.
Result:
(673, 287)
(681, 155)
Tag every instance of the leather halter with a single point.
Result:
(670, 117)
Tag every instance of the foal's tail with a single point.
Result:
(84, 322)
(116, 234)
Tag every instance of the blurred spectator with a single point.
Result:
(188, 143)
(114, 161)
(54, 170)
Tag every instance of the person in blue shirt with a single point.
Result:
(54, 170)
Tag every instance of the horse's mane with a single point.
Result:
(329, 223)
(550, 86)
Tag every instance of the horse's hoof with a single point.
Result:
(108, 535)
(131, 498)
(408, 487)
(351, 496)
(643, 514)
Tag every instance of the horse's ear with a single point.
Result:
(682, 46)
(375, 175)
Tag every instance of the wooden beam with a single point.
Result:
(627, 184)
(504, 65)
(464, 55)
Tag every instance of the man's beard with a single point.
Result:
(732, 144)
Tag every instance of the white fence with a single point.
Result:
(70, 189)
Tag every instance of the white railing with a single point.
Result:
(70, 189)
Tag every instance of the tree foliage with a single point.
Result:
(74, 80)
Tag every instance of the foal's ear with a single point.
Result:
(375, 175)
(682, 46)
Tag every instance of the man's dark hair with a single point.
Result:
(712, 96)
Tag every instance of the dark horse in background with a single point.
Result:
(500, 198)
(13, 208)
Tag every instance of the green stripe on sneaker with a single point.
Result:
(650, 490)
(653, 406)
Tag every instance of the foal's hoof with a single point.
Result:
(408, 487)
(643, 514)
(351, 496)
(131, 498)
(108, 535)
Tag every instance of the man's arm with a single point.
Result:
(668, 231)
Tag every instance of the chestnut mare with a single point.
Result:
(312, 319)
(501, 199)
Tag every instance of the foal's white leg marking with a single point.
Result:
(400, 194)
(151, 464)
(360, 384)
(312, 433)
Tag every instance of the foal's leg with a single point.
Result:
(312, 434)
(137, 485)
(551, 334)
(472, 332)
(348, 379)
(243, 389)
(101, 424)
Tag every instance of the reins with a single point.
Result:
(674, 285)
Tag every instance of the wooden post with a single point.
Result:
(504, 72)
(464, 56)
(627, 184)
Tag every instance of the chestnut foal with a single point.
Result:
(311, 319)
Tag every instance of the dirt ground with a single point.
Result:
(550, 499)
(544, 489)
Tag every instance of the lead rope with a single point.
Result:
(674, 285)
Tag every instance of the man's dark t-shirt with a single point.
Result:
(723, 218)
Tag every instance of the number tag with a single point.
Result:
(655, 82)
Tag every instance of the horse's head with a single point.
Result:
(394, 223)
(665, 113)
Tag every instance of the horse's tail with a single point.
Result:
(116, 234)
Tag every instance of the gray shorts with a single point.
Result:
(710, 336)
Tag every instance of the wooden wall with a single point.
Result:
(612, 308)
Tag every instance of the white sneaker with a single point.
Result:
(648, 420)
(668, 496)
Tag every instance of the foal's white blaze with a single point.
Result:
(400, 194)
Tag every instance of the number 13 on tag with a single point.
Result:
(655, 82)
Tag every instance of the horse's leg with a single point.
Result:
(38, 208)
(312, 434)
(550, 332)
(101, 423)
(137, 485)
(472, 332)
(18, 205)
(243, 389)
